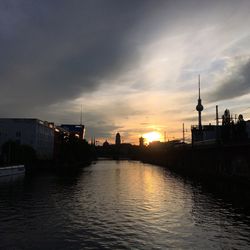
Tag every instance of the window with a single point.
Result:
(18, 134)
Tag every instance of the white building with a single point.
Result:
(33, 132)
(248, 128)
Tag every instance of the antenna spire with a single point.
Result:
(199, 86)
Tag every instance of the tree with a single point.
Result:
(14, 153)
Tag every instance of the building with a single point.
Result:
(75, 130)
(60, 137)
(230, 130)
(208, 133)
(118, 139)
(105, 144)
(32, 132)
(248, 128)
(141, 142)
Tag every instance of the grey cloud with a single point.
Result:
(235, 83)
(101, 131)
(205, 118)
(55, 50)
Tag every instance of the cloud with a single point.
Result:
(132, 64)
(101, 131)
(235, 80)
(54, 51)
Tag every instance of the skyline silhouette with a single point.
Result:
(132, 65)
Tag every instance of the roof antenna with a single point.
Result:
(199, 88)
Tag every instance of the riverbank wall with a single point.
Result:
(56, 166)
(217, 161)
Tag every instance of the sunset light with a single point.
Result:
(152, 136)
(125, 124)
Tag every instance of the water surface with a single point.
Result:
(116, 205)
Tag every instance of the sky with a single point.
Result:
(133, 65)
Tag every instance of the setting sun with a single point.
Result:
(152, 136)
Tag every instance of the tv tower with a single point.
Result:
(199, 106)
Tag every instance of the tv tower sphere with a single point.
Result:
(199, 106)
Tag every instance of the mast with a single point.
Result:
(199, 88)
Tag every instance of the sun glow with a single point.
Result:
(152, 136)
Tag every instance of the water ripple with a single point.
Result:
(117, 205)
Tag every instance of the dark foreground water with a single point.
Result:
(116, 205)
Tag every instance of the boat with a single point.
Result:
(12, 170)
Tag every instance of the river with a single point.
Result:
(116, 205)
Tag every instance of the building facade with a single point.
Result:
(33, 132)
(118, 139)
(75, 130)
